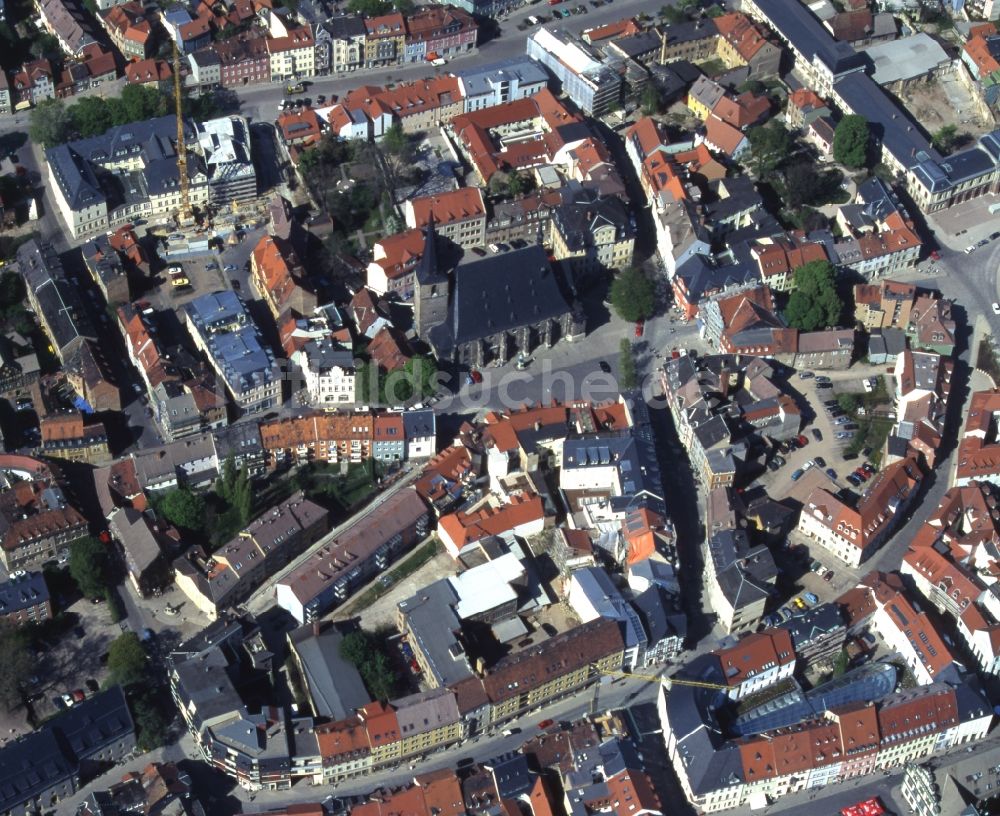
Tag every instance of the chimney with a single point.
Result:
(317, 628)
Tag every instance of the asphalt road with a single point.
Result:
(261, 101)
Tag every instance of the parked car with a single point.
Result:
(817, 434)
(822, 380)
(810, 598)
(603, 365)
(854, 480)
(780, 460)
(819, 461)
(845, 434)
(841, 420)
(640, 327)
(868, 467)
(796, 475)
(802, 441)
(815, 566)
(805, 375)
(773, 466)
(546, 723)
(828, 575)
(831, 473)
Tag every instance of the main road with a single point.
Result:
(261, 101)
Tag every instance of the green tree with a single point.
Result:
(651, 101)
(814, 304)
(46, 46)
(225, 485)
(945, 139)
(851, 140)
(633, 295)
(126, 660)
(136, 103)
(16, 666)
(395, 141)
(183, 508)
(243, 496)
(841, 664)
(88, 565)
(518, 184)
(365, 653)
(91, 116)
(368, 8)
(51, 123)
(806, 185)
(403, 6)
(629, 377)
(849, 403)
(149, 719)
(770, 145)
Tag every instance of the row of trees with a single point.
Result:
(54, 122)
(218, 515)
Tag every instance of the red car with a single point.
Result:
(935, 255)
(78, 695)
(640, 327)
(802, 441)
(862, 474)
(545, 723)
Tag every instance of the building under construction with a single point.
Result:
(132, 172)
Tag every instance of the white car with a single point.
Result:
(996, 308)
(970, 249)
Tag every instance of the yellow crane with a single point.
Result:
(654, 678)
(185, 214)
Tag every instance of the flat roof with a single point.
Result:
(906, 58)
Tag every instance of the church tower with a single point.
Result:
(430, 292)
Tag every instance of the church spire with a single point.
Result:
(427, 270)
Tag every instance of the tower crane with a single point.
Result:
(185, 215)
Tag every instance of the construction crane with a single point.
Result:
(655, 678)
(185, 215)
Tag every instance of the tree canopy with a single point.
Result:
(807, 185)
(51, 123)
(651, 101)
(364, 652)
(126, 660)
(769, 147)
(183, 508)
(88, 565)
(850, 141)
(233, 487)
(945, 139)
(16, 666)
(629, 377)
(814, 304)
(375, 8)
(633, 295)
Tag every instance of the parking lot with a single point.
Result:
(204, 273)
(73, 660)
(825, 422)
